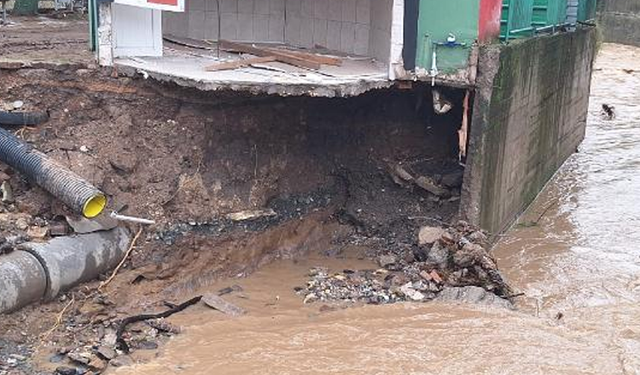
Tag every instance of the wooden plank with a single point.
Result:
(187, 42)
(263, 52)
(321, 59)
(239, 63)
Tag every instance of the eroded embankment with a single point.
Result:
(234, 182)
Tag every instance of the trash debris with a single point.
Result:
(440, 104)
(131, 219)
(7, 192)
(251, 214)
(218, 303)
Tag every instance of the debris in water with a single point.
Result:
(220, 304)
(230, 289)
(455, 258)
(608, 112)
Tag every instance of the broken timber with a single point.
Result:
(263, 52)
(239, 63)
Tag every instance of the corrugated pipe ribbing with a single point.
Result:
(65, 185)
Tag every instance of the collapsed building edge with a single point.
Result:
(529, 91)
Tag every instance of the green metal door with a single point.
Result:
(549, 12)
(437, 20)
(517, 16)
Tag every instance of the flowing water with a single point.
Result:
(575, 255)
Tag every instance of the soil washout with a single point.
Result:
(234, 182)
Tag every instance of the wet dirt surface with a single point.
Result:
(47, 39)
(574, 255)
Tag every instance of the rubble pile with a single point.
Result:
(454, 257)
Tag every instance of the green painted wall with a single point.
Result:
(437, 19)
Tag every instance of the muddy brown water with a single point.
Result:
(575, 254)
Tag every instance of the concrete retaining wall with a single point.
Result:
(529, 116)
(620, 21)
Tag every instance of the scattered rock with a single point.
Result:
(106, 353)
(218, 303)
(386, 261)
(411, 293)
(38, 232)
(22, 224)
(66, 370)
(310, 298)
(429, 235)
(123, 360)
(478, 237)
(80, 357)
(473, 294)
(438, 254)
(147, 345)
(451, 261)
(98, 363)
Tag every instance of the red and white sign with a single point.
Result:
(170, 5)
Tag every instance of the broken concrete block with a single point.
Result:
(220, 304)
(429, 235)
(473, 294)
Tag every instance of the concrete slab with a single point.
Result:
(187, 68)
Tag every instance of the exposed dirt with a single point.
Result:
(53, 39)
(187, 159)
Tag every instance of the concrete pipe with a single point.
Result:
(69, 261)
(23, 280)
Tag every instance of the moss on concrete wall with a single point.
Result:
(529, 117)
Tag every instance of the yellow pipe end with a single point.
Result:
(94, 206)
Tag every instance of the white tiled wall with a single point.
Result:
(360, 27)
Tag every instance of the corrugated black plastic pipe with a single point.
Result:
(65, 185)
(23, 118)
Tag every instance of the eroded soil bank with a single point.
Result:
(574, 254)
(235, 182)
